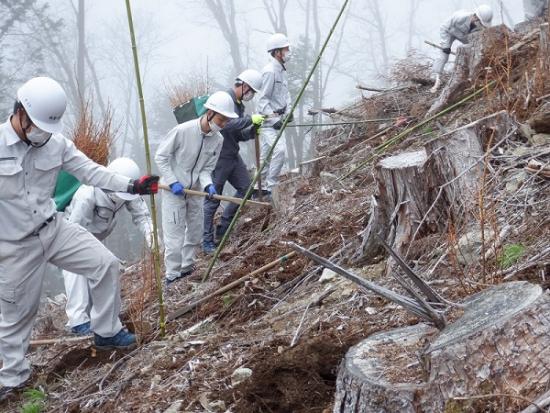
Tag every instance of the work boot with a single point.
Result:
(6, 391)
(81, 329)
(123, 340)
(208, 247)
(220, 232)
(184, 273)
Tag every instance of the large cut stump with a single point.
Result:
(500, 345)
(401, 201)
(418, 193)
(456, 160)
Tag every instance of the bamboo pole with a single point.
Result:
(231, 199)
(390, 142)
(230, 286)
(258, 162)
(59, 340)
(358, 122)
(156, 248)
(270, 153)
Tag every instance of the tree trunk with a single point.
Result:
(456, 161)
(499, 346)
(419, 192)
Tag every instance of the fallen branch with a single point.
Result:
(230, 286)
(405, 302)
(539, 404)
(378, 90)
(231, 199)
(531, 263)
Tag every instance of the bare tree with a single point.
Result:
(225, 14)
(276, 12)
(413, 9)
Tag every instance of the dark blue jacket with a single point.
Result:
(236, 130)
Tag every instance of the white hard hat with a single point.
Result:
(485, 14)
(252, 78)
(277, 41)
(125, 167)
(45, 102)
(221, 103)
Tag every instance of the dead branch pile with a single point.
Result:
(94, 137)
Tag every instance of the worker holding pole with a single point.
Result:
(458, 27)
(32, 153)
(274, 104)
(186, 158)
(97, 211)
(230, 166)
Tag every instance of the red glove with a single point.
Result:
(147, 184)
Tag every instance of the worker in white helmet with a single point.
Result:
(186, 158)
(32, 153)
(458, 27)
(274, 104)
(535, 8)
(97, 211)
(230, 166)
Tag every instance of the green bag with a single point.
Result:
(192, 109)
(65, 188)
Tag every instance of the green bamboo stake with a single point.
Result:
(156, 249)
(270, 153)
(382, 147)
(358, 122)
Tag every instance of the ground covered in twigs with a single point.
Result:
(289, 326)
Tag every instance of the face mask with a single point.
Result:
(287, 56)
(248, 96)
(38, 137)
(213, 127)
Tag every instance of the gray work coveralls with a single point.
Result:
(457, 27)
(274, 97)
(230, 167)
(33, 234)
(96, 211)
(188, 156)
(535, 8)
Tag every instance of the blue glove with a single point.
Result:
(211, 189)
(177, 188)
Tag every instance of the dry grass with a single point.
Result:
(186, 88)
(94, 137)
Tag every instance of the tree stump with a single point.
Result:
(500, 345)
(402, 200)
(455, 159)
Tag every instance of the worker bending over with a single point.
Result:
(97, 211)
(458, 27)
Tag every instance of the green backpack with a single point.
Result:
(192, 109)
(65, 189)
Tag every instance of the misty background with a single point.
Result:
(204, 44)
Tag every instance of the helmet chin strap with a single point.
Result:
(26, 139)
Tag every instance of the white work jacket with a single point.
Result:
(189, 156)
(458, 27)
(28, 176)
(96, 211)
(274, 95)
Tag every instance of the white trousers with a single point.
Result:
(182, 224)
(22, 267)
(78, 299)
(271, 172)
